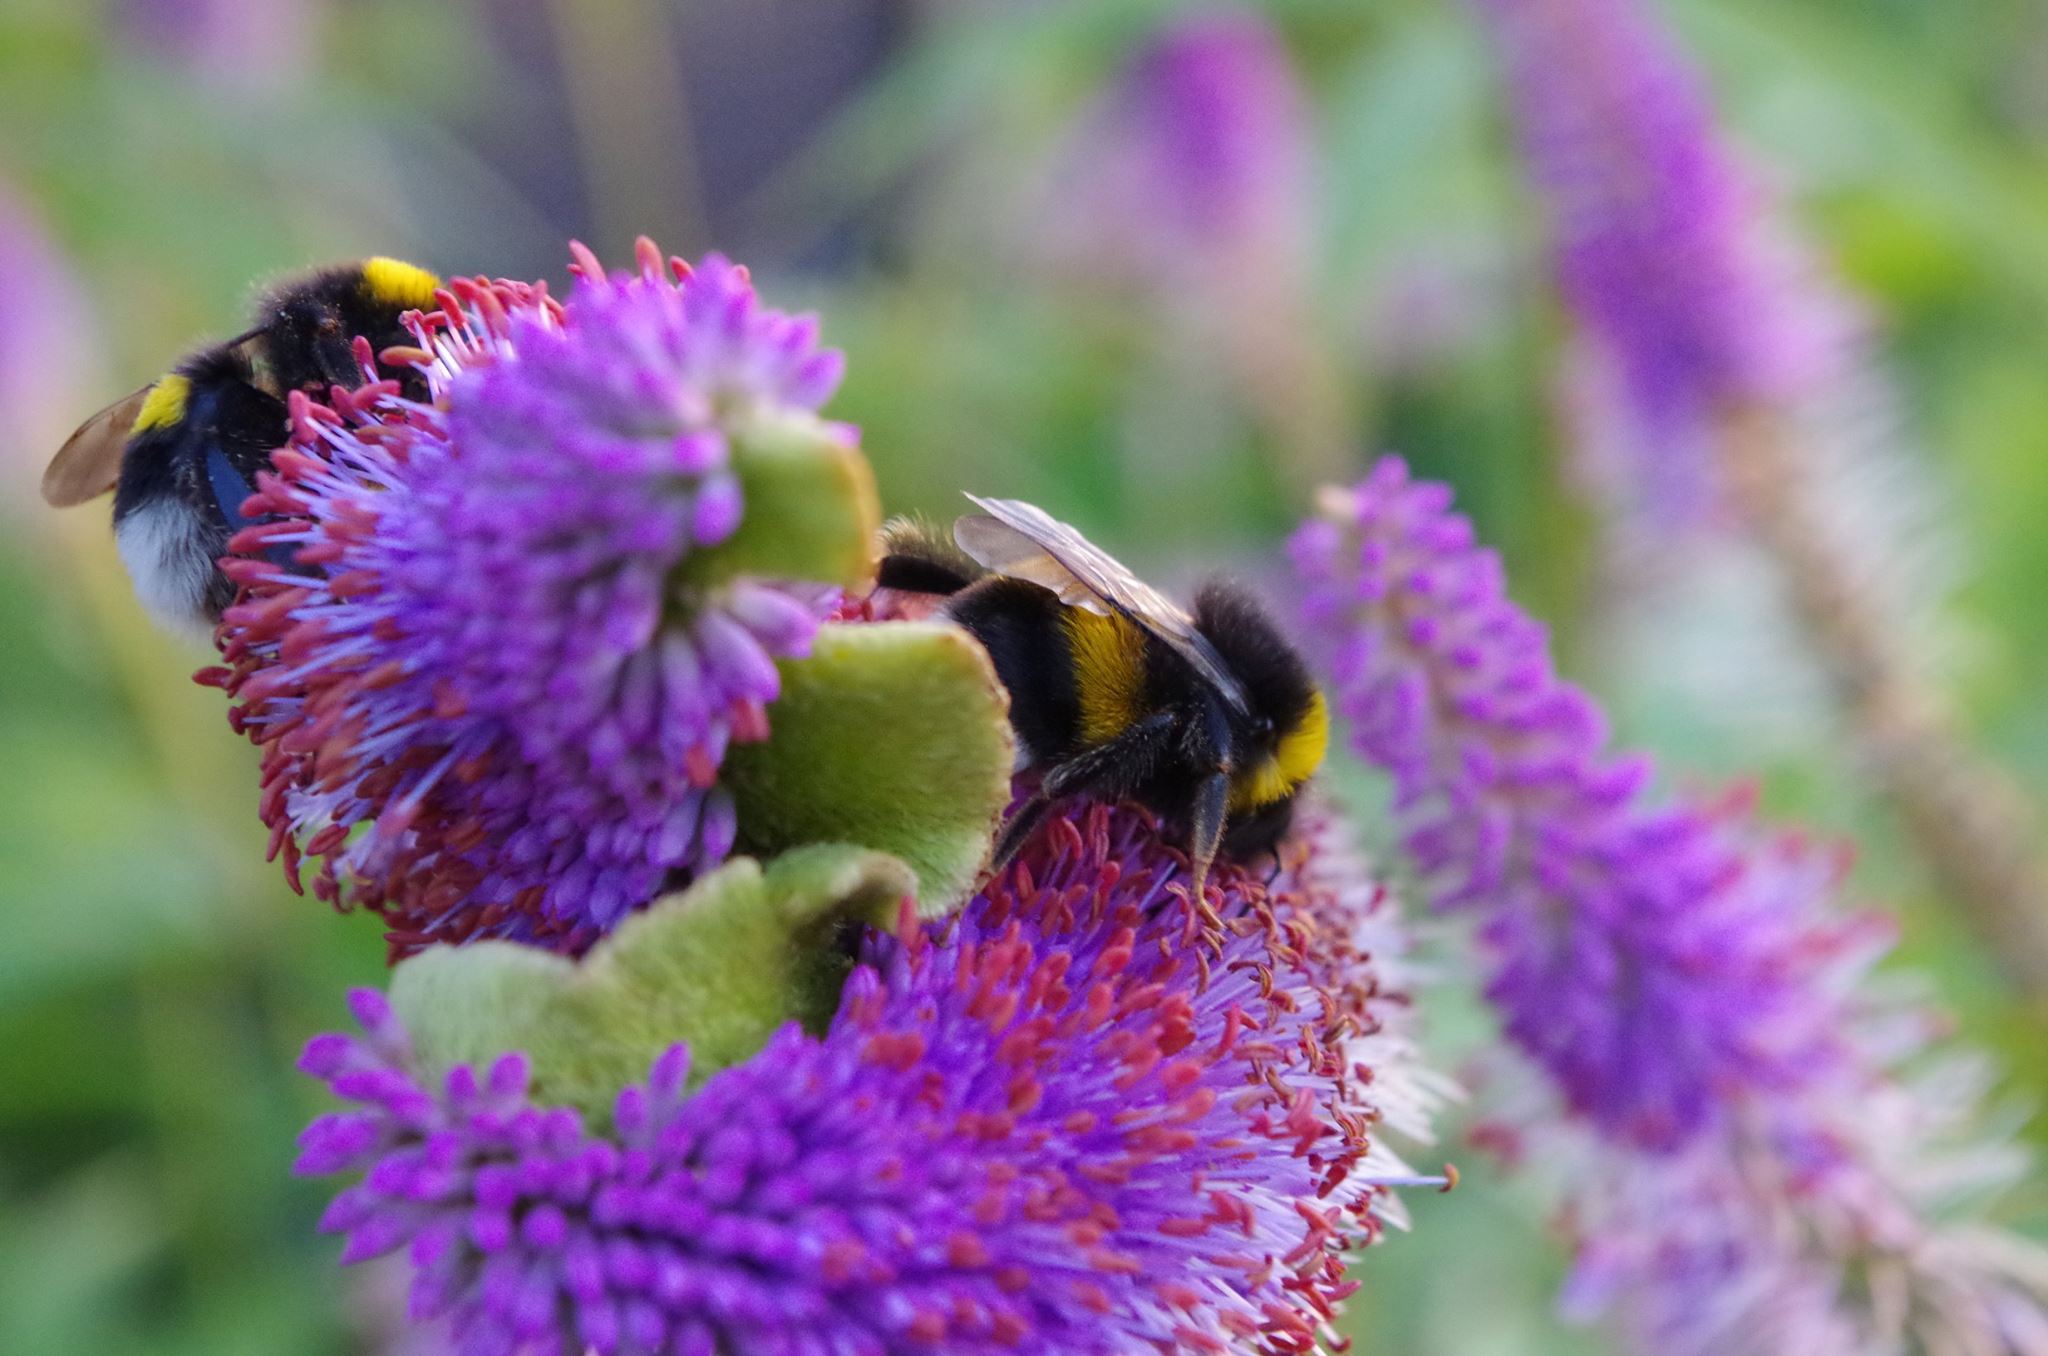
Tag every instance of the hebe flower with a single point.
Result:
(1203, 150)
(492, 697)
(243, 47)
(1070, 1120)
(1836, 1216)
(1765, 1165)
(45, 353)
(1688, 299)
(1728, 370)
(1638, 955)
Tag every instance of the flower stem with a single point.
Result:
(1970, 822)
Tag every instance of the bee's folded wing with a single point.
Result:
(1025, 542)
(89, 463)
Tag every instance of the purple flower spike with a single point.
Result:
(1638, 955)
(488, 702)
(45, 354)
(1069, 1121)
(1760, 1160)
(1664, 244)
(1197, 160)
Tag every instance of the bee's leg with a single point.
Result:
(1018, 829)
(1212, 804)
(1111, 769)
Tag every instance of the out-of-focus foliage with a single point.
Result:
(921, 173)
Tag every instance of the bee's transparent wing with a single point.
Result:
(1023, 541)
(89, 463)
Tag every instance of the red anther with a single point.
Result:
(966, 1250)
(749, 721)
(387, 674)
(1093, 1297)
(449, 702)
(327, 840)
(353, 583)
(1104, 1172)
(1008, 1329)
(244, 571)
(492, 310)
(841, 1259)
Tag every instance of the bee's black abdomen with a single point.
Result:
(182, 483)
(222, 413)
(1020, 625)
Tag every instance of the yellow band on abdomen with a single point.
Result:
(397, 283)
(1109, 672)
(164, 405)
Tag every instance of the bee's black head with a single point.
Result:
(1284, 734)
(310, 323)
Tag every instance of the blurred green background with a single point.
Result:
(944, 183)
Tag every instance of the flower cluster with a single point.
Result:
(492, 698)
(1745, 1104)
(1074, 1119)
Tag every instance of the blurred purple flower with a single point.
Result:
(1198, 159)
(1072, 1120)
(1687, 299)
(480, 655)
(243, 45)
(46, 348)
(1751, 1147)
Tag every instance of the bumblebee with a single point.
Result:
(1206, 717)
(181, 454)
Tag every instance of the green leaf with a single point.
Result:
(721, 966)
(895, 736)
(470, 1004)
(811, 507)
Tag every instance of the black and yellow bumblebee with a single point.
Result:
(181, 454)
(1206, 717)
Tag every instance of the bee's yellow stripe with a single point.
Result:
(1109, 672)
(397, 283)
(1295, 759)
(164, 405)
